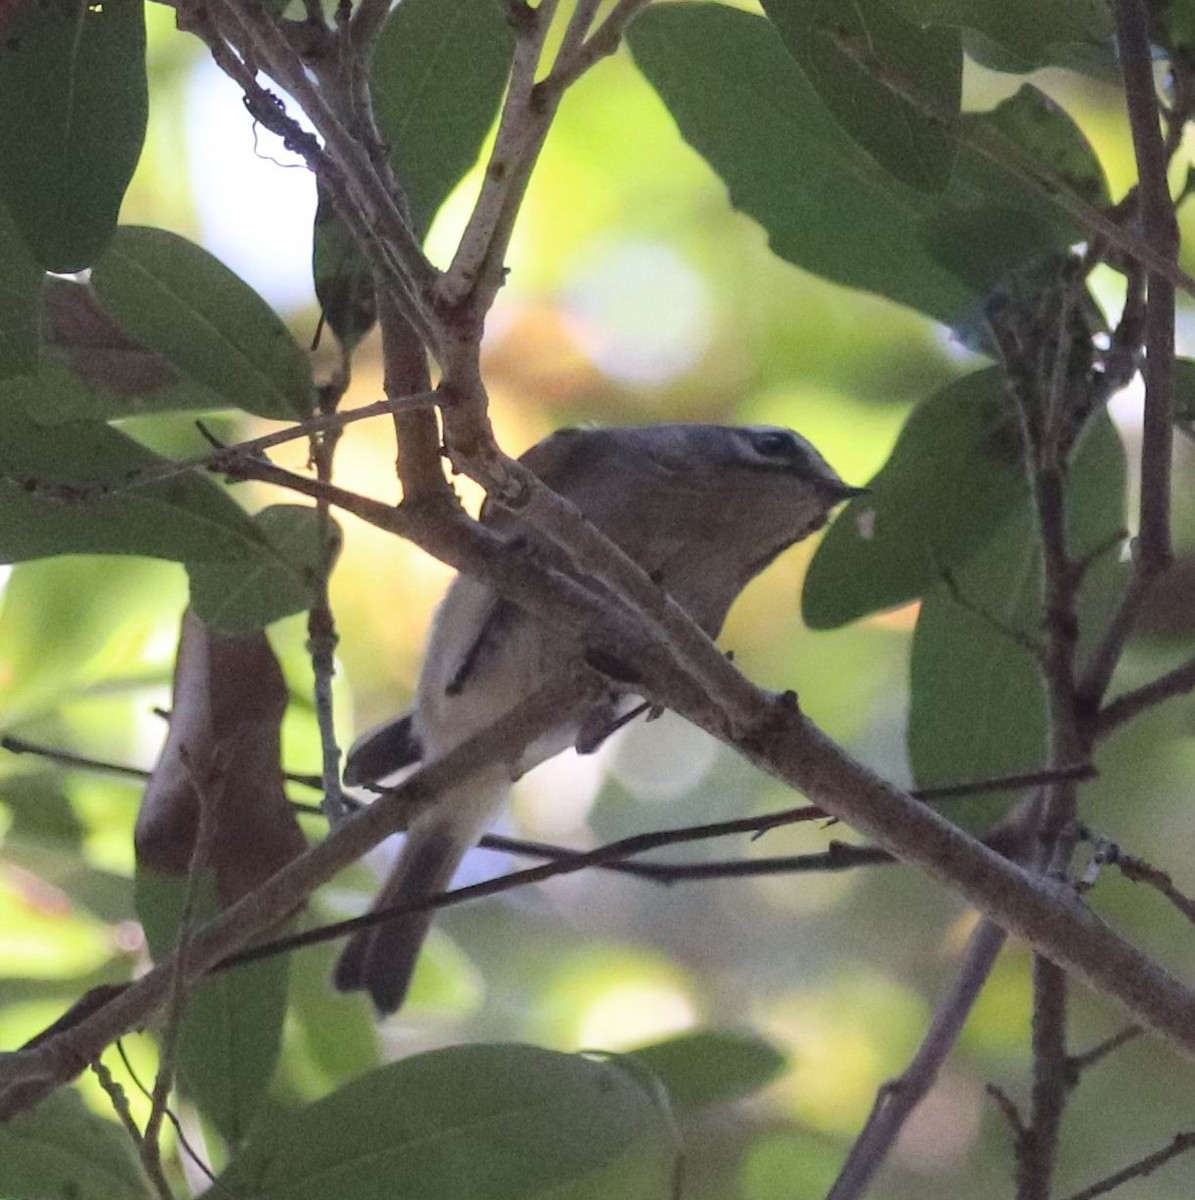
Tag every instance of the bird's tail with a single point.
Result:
(381, 960)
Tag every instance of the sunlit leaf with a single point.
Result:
(954, 477)
(439, 71)
(62, 491)
(178, 300)
(73, 94)
(866, 61)
(61, 1149)
(237, 599)
(490, 1122)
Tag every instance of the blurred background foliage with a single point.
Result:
(635, 294)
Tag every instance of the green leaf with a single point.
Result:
(438, 72)
(67, 490)
(1184, 395)
(1032, 32)
(344, 282)
(742, 102)
(238, 599)
(490, 1122)
(73, 94)
(848, 51)
(231, 1031)
(57, 617)
(977, 703)
(178, 300)
(989, 223)
(711, 1067)
(954, 477)
(60, 1149)
(20, 284)
(98, 372)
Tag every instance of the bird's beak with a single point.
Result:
(840, 492)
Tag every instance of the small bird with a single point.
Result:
(702, 508)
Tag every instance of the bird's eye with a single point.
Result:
(774, 444)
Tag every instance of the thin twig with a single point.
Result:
(1079, 1063)
(899, 1097)
(1153, 550)
(1129, 705)
(183, 1141)
(1139, 871)
(1182, 1143)
(120, 1105)
(322, 637)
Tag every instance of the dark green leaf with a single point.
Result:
(73, 95)
(439, 71)
(232, 1025)
(864, 59)
(344, 282)
(1184, 395)
(20, 283)
(238, 599)
(178, 300)
(484, 1122)
(116, 376)
(977, 703)
(990, 222)
(742, 102)
(62, 491)
(711, 1067)
(953, 478)
(61, 1150)
(1033, 33)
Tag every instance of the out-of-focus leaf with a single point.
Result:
(344, 282)
(60, 1149)
(176, 299)
(338, 1032)
(977, 704)
(711, 1066)
(216, 804)
(848, 53)
(1033, 33)
(56, 617)
(20, 283)
(439, 71)
(742, 102)
(483, 1121)
(60, 493)
(238, 599)
(953, 478)
(790, 1163)
(73, 94)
